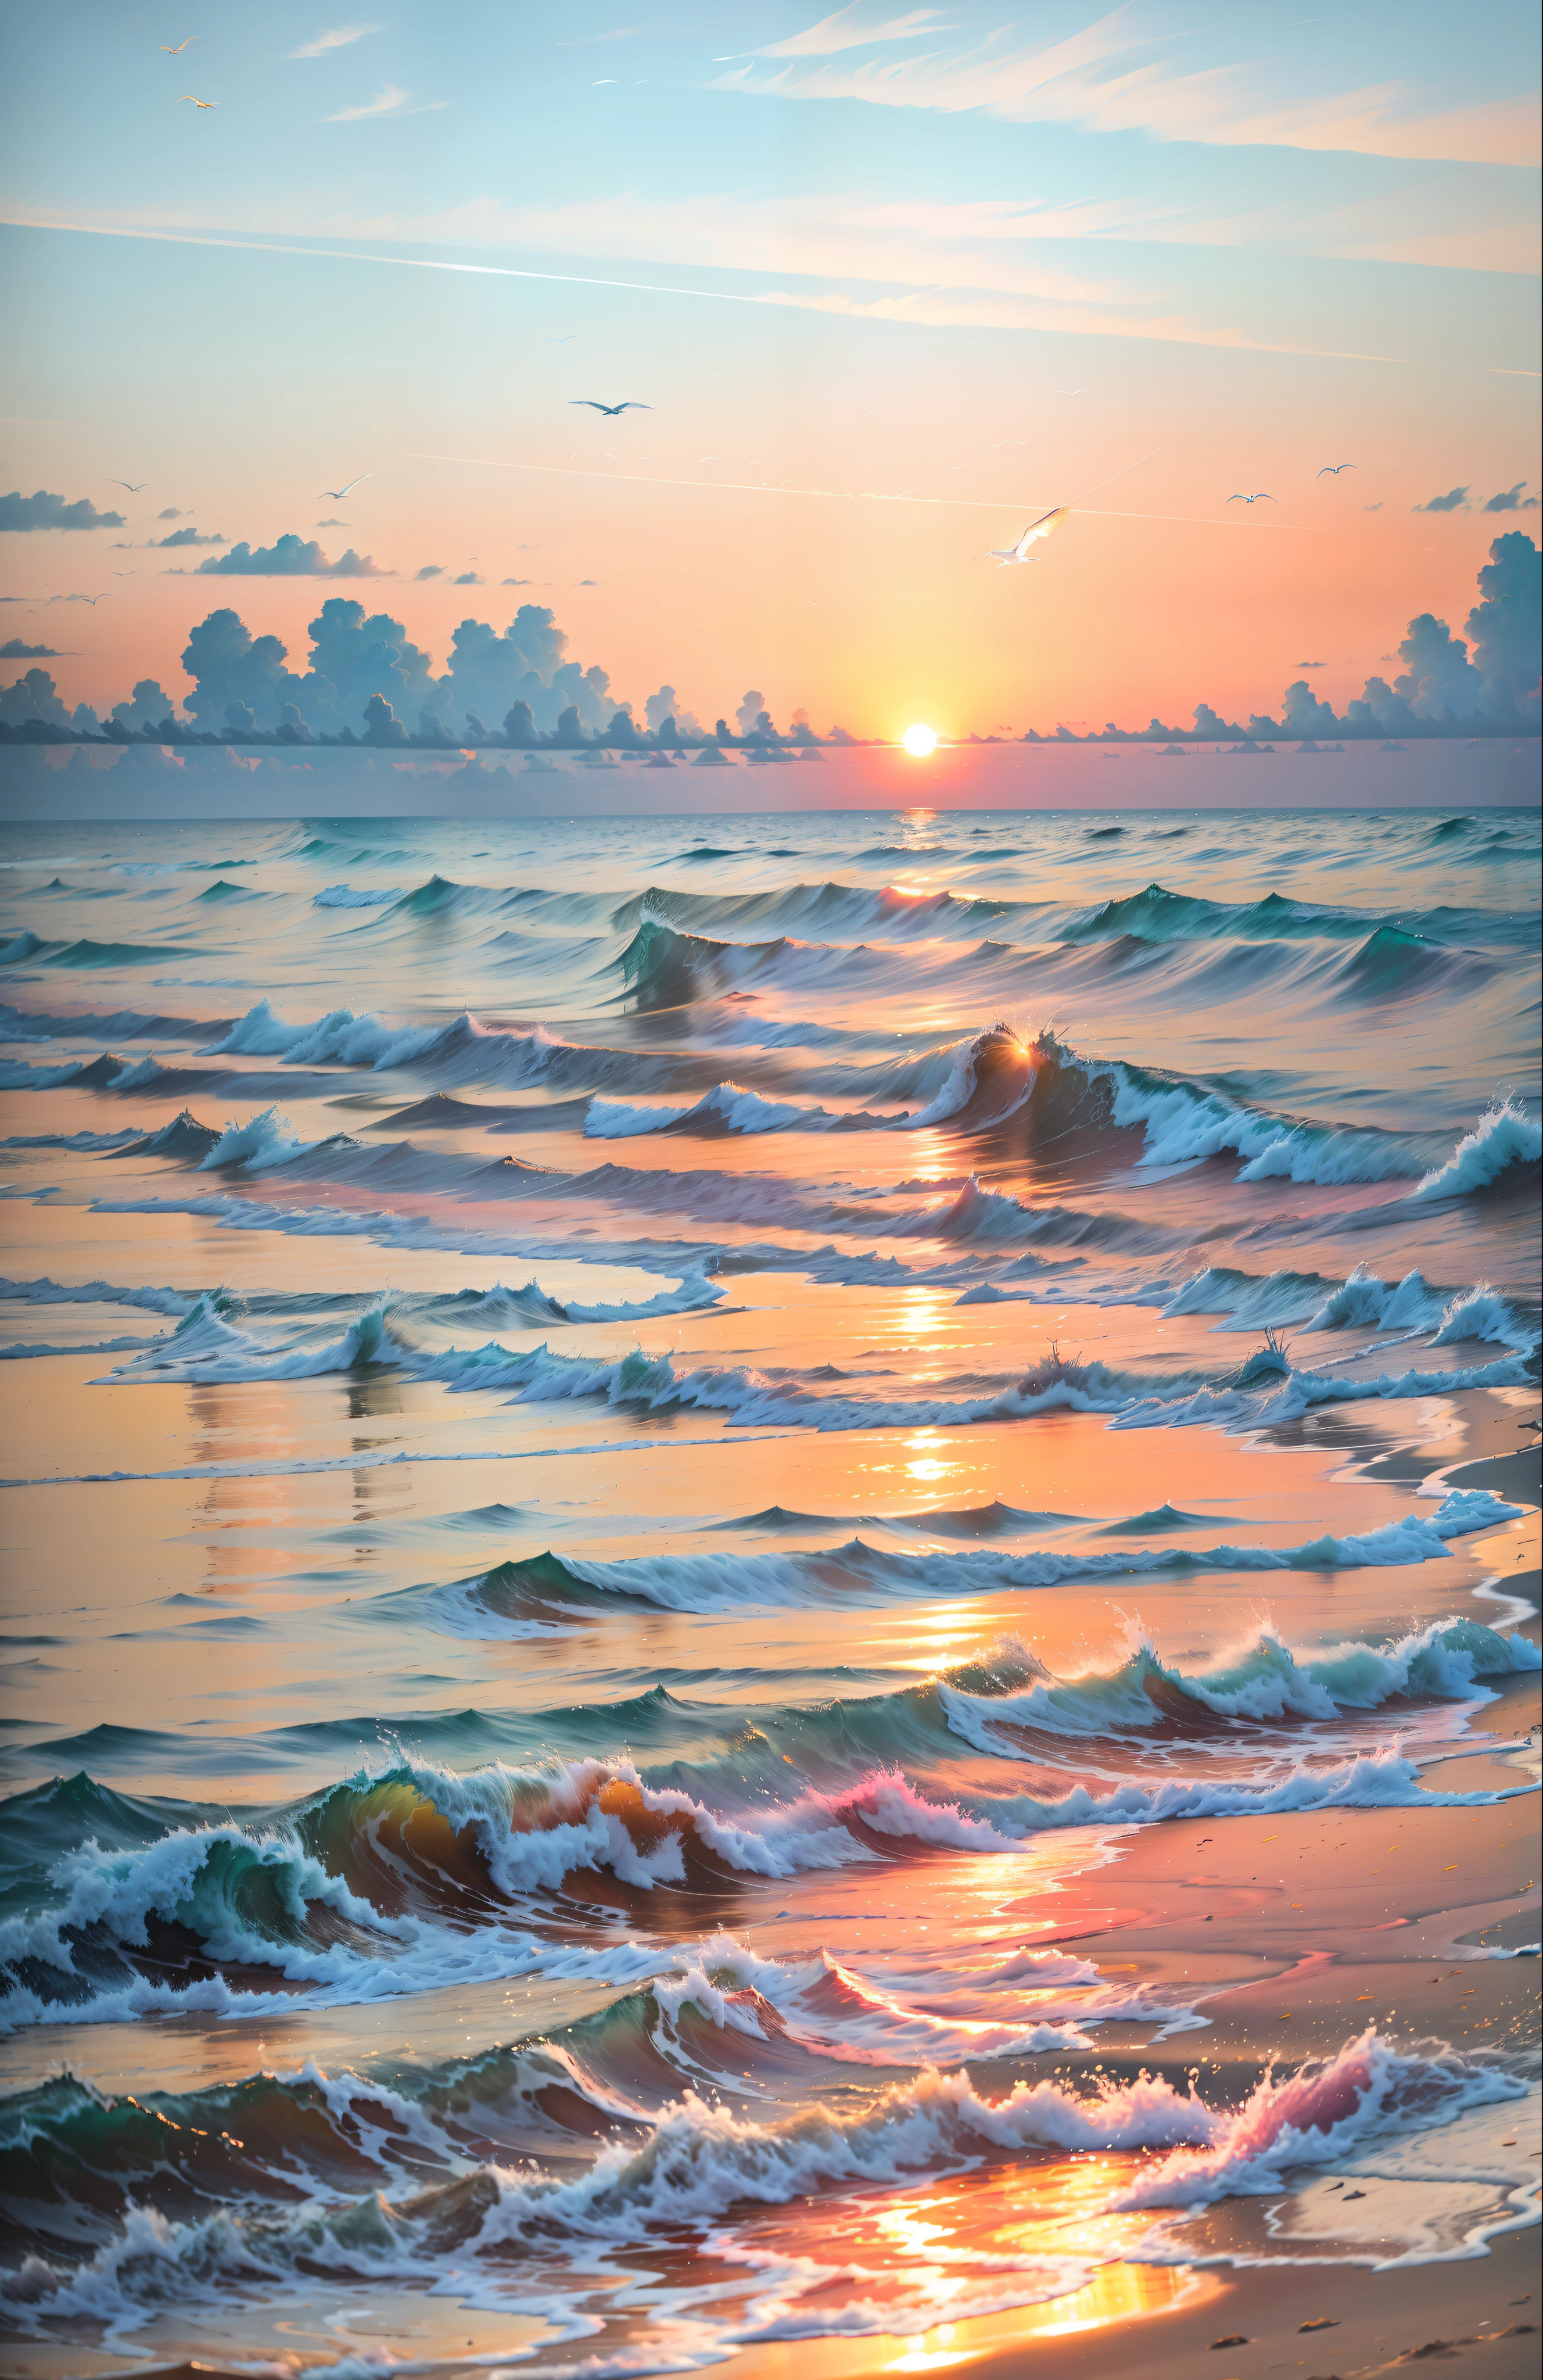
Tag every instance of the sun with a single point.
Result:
(919, 742)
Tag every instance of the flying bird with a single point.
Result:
(337, 494)
(1041, 528)
(168, 53)
(133, 486)
(197, 101)
(1263, 497)
(1333, 470)
(628, 404)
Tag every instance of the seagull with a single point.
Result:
(1333, 470)
(167, 53)
(125, 574)
(1041, 528)
(1263, 497)
(1071, 391)
(628, 404)
(197, 101)
(133, 486)
(337, 494)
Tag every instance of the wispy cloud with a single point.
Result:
(339, 38)
(1112, 76)
(389, 101)
(843, 30)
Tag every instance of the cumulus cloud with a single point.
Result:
(430, 570)
(13, 649)
(470, 578)
(32, 697)
(1511, 500)
(289, 557)
(171, 513)
(669, 720)
(331, 522)
(148, 710)
(43, 510)
(519, 582)
(1506, 623)
(1454, 501)
(189, 536)
(339, 37)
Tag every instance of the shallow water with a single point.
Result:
(639, 1458)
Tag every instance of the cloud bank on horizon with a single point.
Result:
(368, 683)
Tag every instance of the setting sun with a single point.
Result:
(919, 742)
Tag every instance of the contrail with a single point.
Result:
(856, 495)
(576, 280)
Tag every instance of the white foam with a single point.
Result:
(1506, 1135)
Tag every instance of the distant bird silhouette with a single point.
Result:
(566, 340)
(167, 53)
(1071, 391)
(1263, 497)
(197, 101)
(628, 404)
(135, 487)
(1036, 529)
(125, 574)
(1333, 470)
(337, 494)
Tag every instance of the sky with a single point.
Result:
(881, 285)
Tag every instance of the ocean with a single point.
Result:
(766, 1584)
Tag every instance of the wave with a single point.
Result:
(461, 1053)
(209, 1343)
(725, 1108)
(1504, 1137)
(115, 954)
(208, 1347)
(678, 2175)
(547, 1585)
(1156, 915)
(1264, 1682)
(171, 1302)
(396, 1882)
(832, 910)
(993, 1085)
(345, 896)
(1361, 1302)
(123, 1024)
(1239, 1406)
